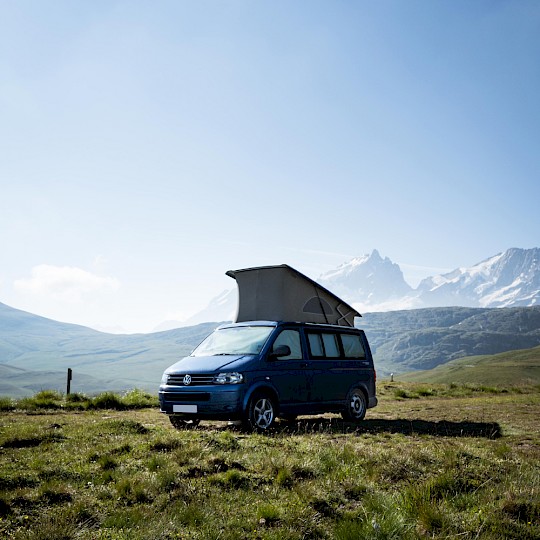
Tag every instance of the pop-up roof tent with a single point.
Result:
(281, 293)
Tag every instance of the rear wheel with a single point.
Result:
(261, 412)
(356, 406)
(179, 422)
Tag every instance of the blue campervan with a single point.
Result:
(305, 357)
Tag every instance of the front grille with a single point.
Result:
(186, 396)
(177, 379)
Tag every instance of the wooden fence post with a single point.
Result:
(69, 377)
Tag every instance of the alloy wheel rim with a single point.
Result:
(357, 405)
(264, 413)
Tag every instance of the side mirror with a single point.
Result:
(279, 351)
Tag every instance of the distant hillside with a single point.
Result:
(508, 368)
(35, 352)
(424, 338)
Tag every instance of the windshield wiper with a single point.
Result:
(231, 354)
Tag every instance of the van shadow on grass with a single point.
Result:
(442, 428)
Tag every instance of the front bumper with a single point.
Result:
(212, 402)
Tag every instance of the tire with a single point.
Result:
(261, 413)
(183, 423)
(355, 406)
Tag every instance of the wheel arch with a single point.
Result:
(263, 388)
(361, 386)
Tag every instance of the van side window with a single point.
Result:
(323, 345)
(315, 345)
(352, 346)
(331, 346)
(292, 339)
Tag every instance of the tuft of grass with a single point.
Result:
(401, 393)
(107, 462)
(51, 493)
(425, 392)
(124, 488)
(6, 404)
(268, 514)
(76, 398)
(128, 426)
(53, 400)
(166, 445)
(107, 400)
(52, 395)
(191, 515)
(168, 480)
(156, 463)
(139, 399)
(231, 479)
(284, 477)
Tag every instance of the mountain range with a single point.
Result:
(372, 283)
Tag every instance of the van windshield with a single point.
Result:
(234, 340)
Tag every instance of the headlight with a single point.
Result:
(229, 378)
(164, 378)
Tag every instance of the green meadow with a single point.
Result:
(431, 461)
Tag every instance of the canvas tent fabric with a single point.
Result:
(281, 293)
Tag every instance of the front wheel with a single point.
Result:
(183, 423)
(261, 412)
(355, 407)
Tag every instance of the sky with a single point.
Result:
(148, 147)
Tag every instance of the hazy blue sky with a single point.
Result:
(148, 147)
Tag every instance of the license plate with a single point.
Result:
(185, 408)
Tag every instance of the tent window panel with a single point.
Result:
(292, 339)
(352, 346)
(318, 305)
(315, 345)
(331, 346)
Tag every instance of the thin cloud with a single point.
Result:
(65, 282)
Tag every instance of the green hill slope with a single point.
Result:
(508, 368)
(35, 353)
(421, 339)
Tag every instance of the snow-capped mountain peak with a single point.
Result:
(511, 278)
(349, 267)
(369, 279)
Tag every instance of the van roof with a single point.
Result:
(281, 293)
(285, 323)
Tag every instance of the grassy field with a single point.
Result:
(432, 461)
(509, 368)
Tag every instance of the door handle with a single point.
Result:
(304, 365)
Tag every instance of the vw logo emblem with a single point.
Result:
(187, 379)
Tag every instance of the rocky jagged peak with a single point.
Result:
(369, 278)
